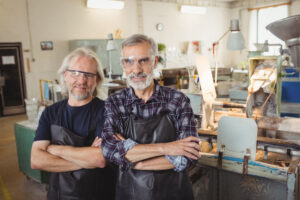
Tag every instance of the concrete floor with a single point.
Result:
(13, 184)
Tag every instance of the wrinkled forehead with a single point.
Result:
(83, 63)
(137, 50)
(138, 57)
(85, 59)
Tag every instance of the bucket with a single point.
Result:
(31, 109)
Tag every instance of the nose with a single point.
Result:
(82, 78)
(136, 68)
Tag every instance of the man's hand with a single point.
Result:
(97, 142)
(55, 149)
(119, 137)
(85, 157)
(188, 147)
(43, 157)
(157, 163)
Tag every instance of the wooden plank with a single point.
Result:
(255, 168)
(271, 6)
(290, 193)
(173, 72)
(225, 104)
(208, 91)
(293, 168)
(207, 132)
(205, 77)
(287, 124)
(292, 144)
(221, 113)
(268, 123)
(279, 142)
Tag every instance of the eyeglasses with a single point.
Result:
(76, 74)
(142, 61)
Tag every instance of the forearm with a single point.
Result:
(43, 160)
(144, 151)
(86, 157)
(188, 147)
(158, 163)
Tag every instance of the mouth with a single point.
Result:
(80, 88)
(138, 79)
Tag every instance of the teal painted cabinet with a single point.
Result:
(24, 134)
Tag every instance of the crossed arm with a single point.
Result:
(63, 158)
(152, 156)
(158, 163)
(156, 156)
(187, 147)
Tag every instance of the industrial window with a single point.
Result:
(259, 19)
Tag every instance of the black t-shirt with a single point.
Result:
(77, 119)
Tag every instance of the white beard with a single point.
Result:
(141, 85)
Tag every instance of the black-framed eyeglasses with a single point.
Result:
(76, 74)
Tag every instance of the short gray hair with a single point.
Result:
(78, 53)
(138, 39)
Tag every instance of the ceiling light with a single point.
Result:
(105, 4)
(193, 9)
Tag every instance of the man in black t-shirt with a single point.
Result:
(68, 138)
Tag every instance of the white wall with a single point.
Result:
(295, 7)
(180, 28)
(244, 16)
(63, 20)
(58, 21)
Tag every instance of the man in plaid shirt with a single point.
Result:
(149, 130)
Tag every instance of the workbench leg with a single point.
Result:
(291, 180)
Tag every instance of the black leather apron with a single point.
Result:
(152, 185)
(83, 184)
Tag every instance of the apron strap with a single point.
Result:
(92, 124)
(60, 109)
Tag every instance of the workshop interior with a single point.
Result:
(238, 62)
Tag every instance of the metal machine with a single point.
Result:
(288, 85)
(274, 172)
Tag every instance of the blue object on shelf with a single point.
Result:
(46, 91)
(289, 115)
(291, 70)
(290, 91)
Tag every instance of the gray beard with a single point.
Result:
(140, 85)
(80, 97)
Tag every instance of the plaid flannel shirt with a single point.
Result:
(119, 106)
